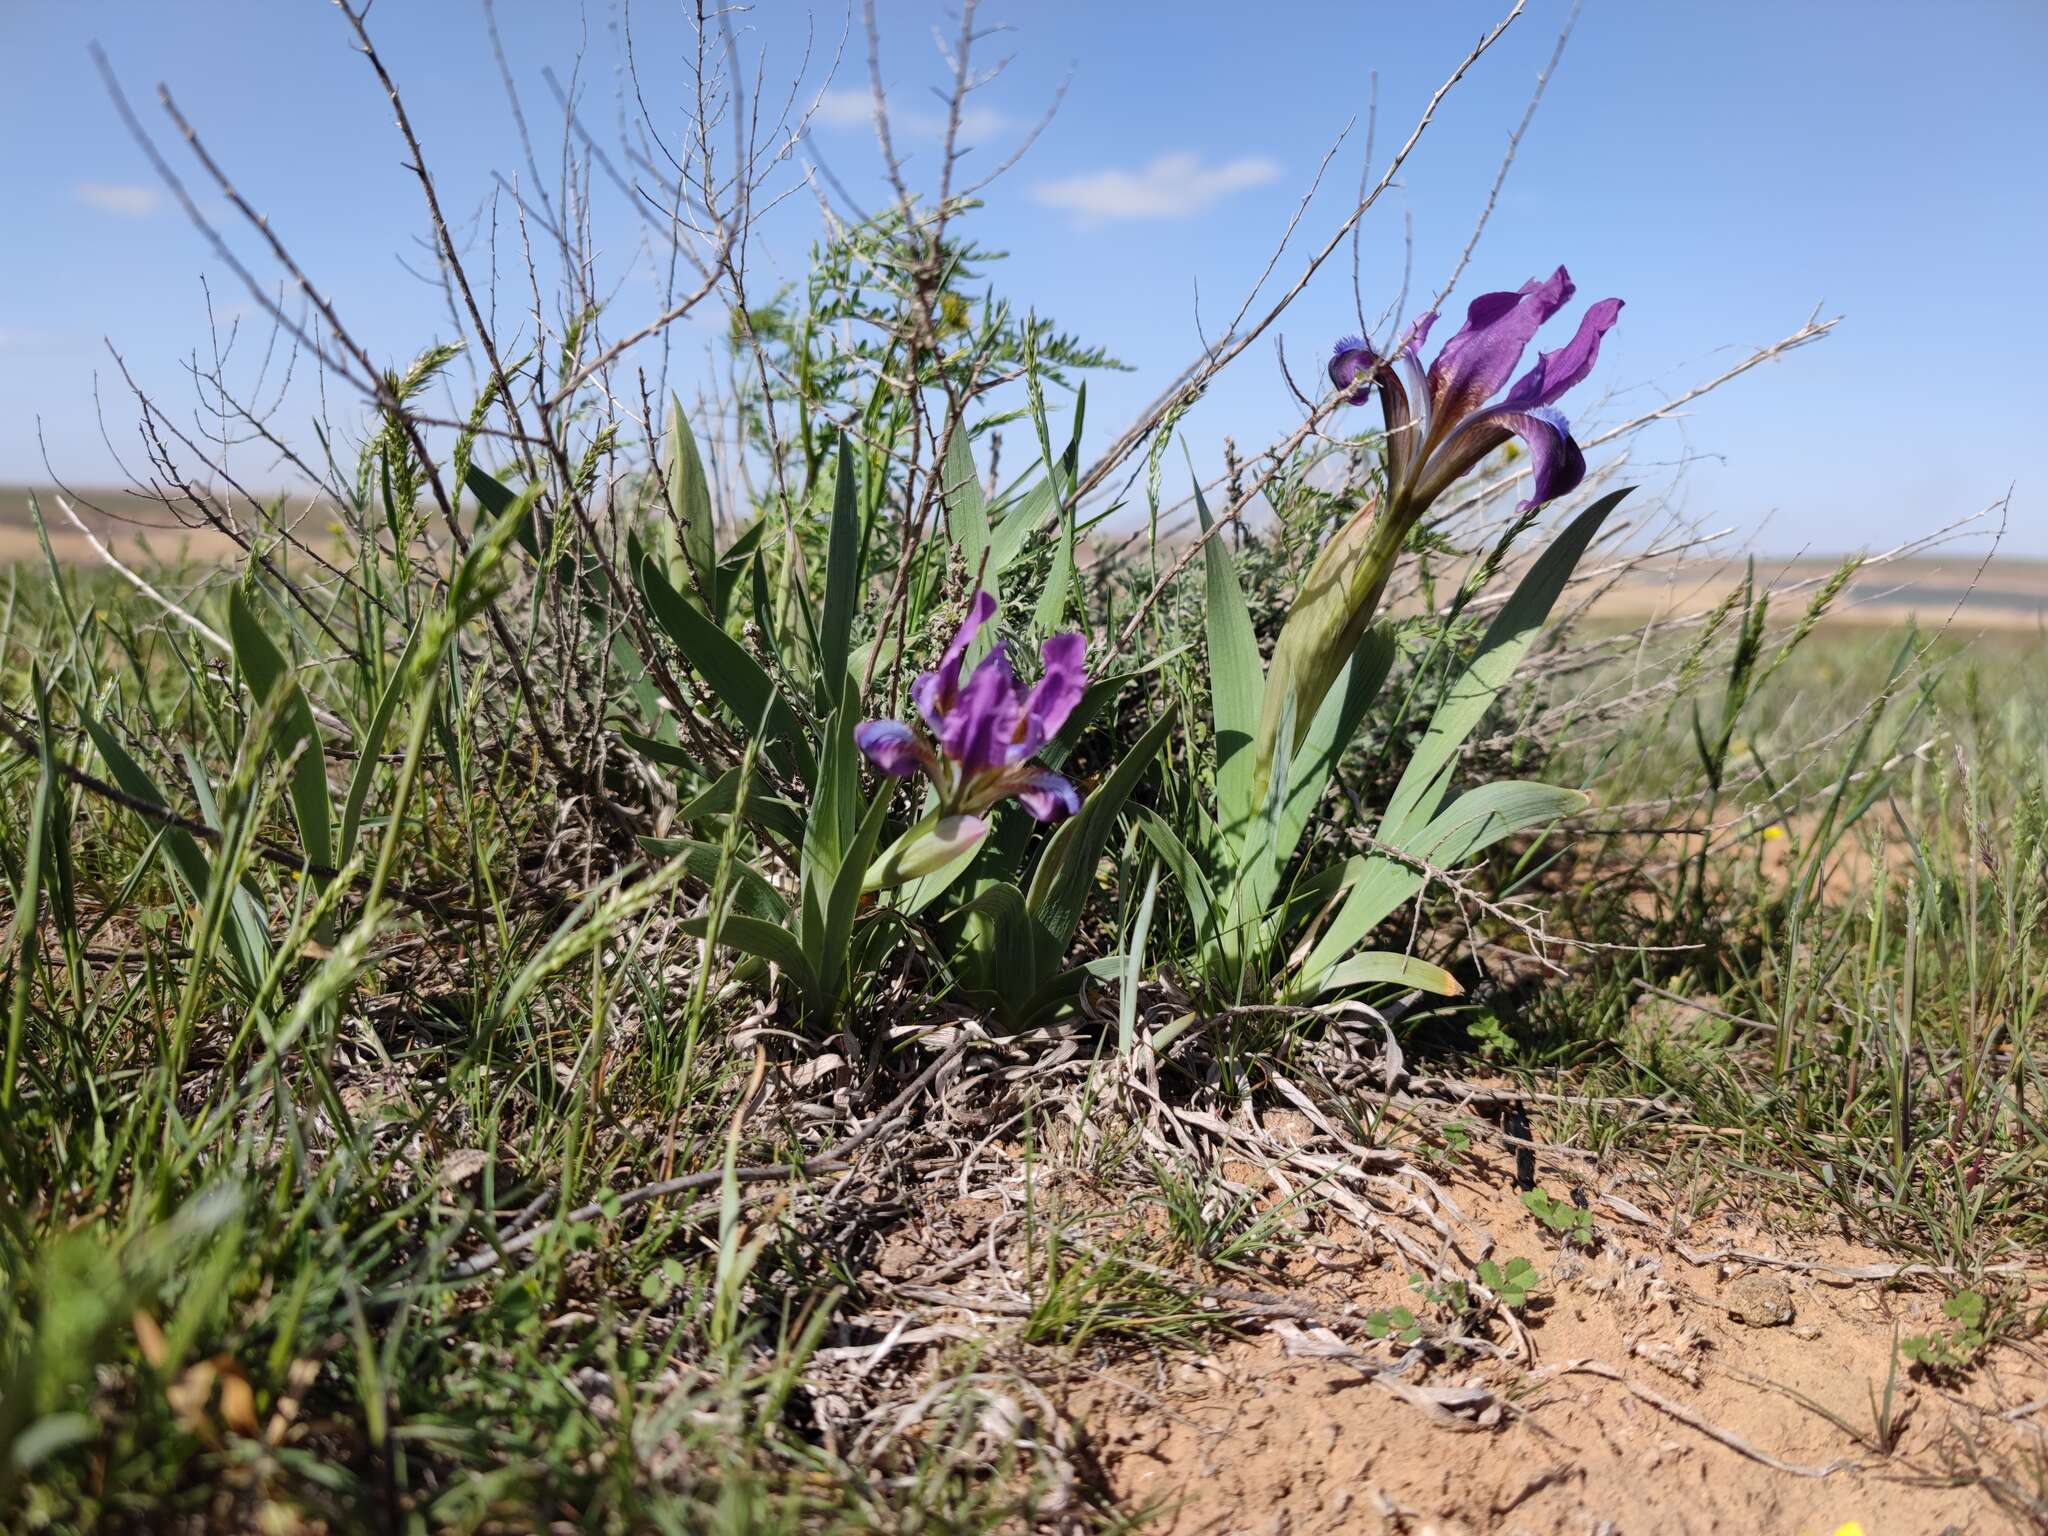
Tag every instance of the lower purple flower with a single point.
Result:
(980, 734)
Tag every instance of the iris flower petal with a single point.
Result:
(1481, 357)
(1438, 428)
(892, 747)
(985, 718)
(1556, 372)
(1355, 368)
(1046, 795)
(983, 730)
(935, 692)
(1054, 698)
(1556, 464)
(1348, 359)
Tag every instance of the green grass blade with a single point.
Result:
(1181, 864)
(967, 510)
(1002, 944)
(734, 676)
(1474, 822)
(771, 942)
(498, 498)
(1134, 966)
(777, 817)
(1051, 609)
(28, 905)
(268, 671)
(1236, 680)
(689, 500)
(368, 762)
(842, 574)
(736, 560)
(1384, 967)
(843, 902)
(755, 896)
(1329, 735)
(1066, 870)
(1507, 640)
(834, 812)
(1013, 534)
(182, 852)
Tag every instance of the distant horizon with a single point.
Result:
(1964, 547)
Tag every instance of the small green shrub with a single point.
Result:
(1512, 1284)
(1397, 1323)
(1567, 1220)
(1953, 1350)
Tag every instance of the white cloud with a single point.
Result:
(978, 123)
(1174, 186)
(17, 339)
(122, 200)
(847, 107)
(844, 108)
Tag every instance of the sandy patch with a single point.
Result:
(1260, 1439)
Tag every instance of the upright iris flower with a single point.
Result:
(978, 740)
(1439, 426)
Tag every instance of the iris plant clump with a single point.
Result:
(1439, 427)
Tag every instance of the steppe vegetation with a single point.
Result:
(816, 957)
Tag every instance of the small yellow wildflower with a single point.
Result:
(1772, 834)
(1849, 1528)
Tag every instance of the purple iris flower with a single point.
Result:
(982, 732)
(1439, 425)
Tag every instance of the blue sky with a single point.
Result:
(1725, 168)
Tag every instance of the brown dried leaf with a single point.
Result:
(187, 1397)
(237, 1398)
(149, 1338)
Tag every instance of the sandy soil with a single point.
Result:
(134, 528)
(18, 546)
(2007, 594)
(1628, 1419)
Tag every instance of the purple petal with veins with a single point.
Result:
(1348, 359)
(934, 692)
(984, 729)
(1480, 358)
(1058, 691)
(1556, 464)
(892, 747)
(1047, 796)
(984, 721)
(1556, 372)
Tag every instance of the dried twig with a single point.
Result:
(1686, 1416)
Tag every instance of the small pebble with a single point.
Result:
(1761, 1301)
